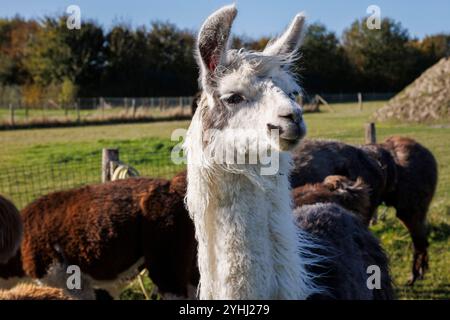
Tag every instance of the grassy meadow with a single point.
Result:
(79, 148)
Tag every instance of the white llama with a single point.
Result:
(249, 245)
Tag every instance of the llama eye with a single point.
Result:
(235, 98)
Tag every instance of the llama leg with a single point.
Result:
(167, 276)
(416, 223)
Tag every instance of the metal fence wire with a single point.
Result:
(15, 112)
(25, 183)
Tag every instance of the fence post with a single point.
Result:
(102, 106)
(133, 107)
(371, 134)
(11, 111)
(360, 102)
(108, 155)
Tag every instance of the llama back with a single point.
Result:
(87, 223)
(417, 171)
(314, 160)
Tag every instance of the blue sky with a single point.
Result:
(256, 17)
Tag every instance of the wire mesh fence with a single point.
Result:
(25, 183)
(16, 112)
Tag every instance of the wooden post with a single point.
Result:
(108, 155)
(102, 106)
(133, 107)
(360, 103)
(11, 111)
(371, 134)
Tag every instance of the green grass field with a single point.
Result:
(74, 146)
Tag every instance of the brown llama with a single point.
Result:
(400, 172)
(112, 231)
(417, 177)
(11, 232)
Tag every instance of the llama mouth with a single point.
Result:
(293, 133)
(289, 135)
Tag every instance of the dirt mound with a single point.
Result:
(427, 99)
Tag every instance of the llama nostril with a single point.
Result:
(294, 117)
(274, 127)
(289, 116)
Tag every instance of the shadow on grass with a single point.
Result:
(423, 291)
(439, 232)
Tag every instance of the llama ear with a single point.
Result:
(213, 38)
(291, 39)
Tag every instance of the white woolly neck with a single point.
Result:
(248, 242)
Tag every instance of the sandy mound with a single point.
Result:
(427, 99)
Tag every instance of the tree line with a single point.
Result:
(43, 58)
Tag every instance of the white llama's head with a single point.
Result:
(247, 91)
